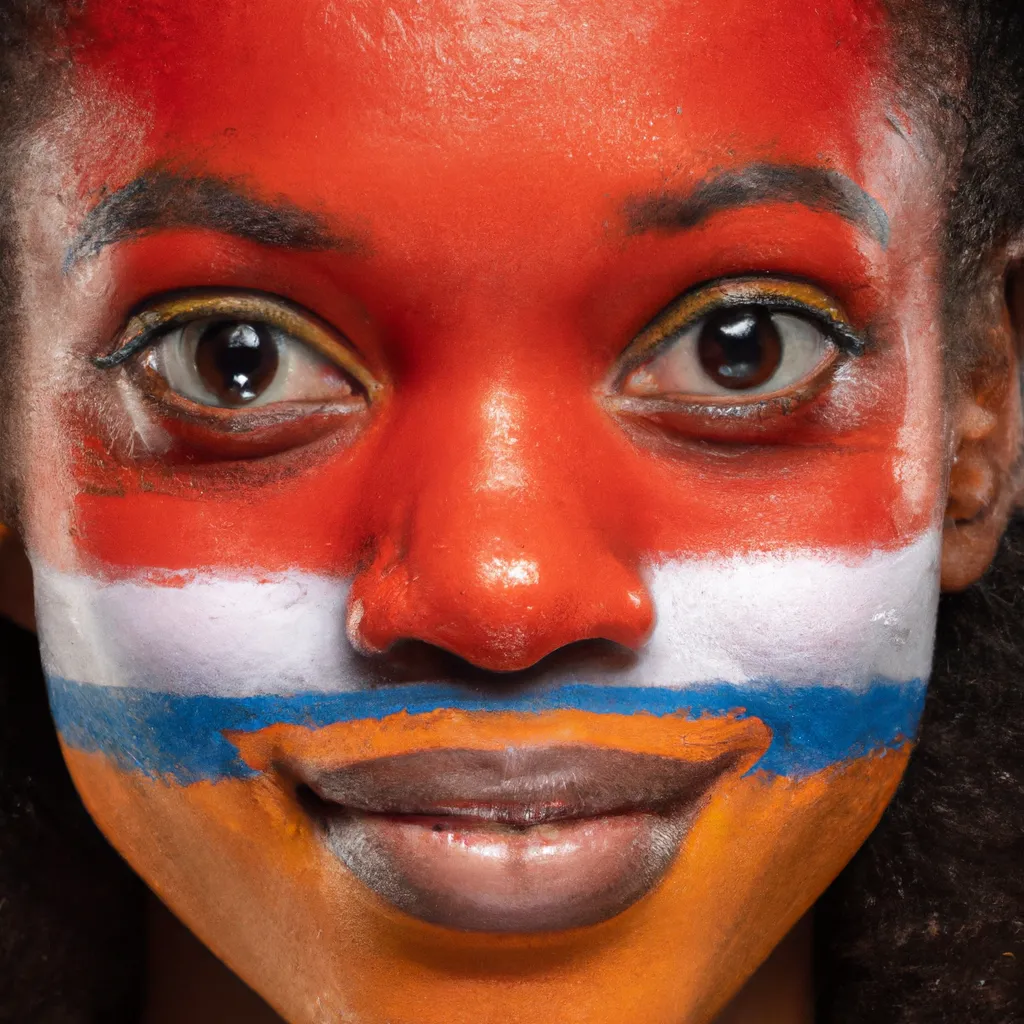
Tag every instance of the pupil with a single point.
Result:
(740, 348)
(237, 361)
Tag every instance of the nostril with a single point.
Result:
(414, 661)
(501, 606)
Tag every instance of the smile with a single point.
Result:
(517, 840)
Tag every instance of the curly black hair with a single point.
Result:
(924, 926)
(71, 911)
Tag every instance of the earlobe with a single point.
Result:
(984, 477)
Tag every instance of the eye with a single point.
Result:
(244, 363)
(239, 351)
(738, 340)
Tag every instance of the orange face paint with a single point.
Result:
(319, 943)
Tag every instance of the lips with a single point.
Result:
(518, 840)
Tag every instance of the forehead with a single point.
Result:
(337, 102)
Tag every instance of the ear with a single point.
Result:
(15, 581)
(984, 479)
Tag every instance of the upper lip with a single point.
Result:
(520, 786)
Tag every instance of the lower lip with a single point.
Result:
(481, 876)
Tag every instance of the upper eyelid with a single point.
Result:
(746, 291)
(163, 314)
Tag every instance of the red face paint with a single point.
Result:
(500, 219)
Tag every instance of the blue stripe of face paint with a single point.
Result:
(180, 738)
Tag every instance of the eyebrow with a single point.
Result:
(814, 187)
(161, 200)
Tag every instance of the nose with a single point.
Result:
(502, 541)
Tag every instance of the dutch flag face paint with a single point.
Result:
(766, 705)
(520, 605)
(830, 652)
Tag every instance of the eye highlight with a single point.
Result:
(738, 342)
(233, 351)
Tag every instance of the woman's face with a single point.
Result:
(482, 466)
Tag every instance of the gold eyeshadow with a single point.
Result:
(774, 294)
(149, 325)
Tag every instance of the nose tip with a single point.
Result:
(500, 610)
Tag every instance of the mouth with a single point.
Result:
(517, 840)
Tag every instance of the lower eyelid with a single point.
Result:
(710, 406)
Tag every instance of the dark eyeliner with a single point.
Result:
(162, 315)
(733, 293)
(845, 337)
(138, 344)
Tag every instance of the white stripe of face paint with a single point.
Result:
(797, 617)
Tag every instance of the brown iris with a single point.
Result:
(237, 361)
(740, 348)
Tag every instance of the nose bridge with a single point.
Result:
(499, 553)
(504, 504)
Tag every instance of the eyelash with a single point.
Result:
(845, 337)
(645, 348)
(149, 327)
(152, 327)
(138, 344)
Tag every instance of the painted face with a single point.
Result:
(482, 472)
